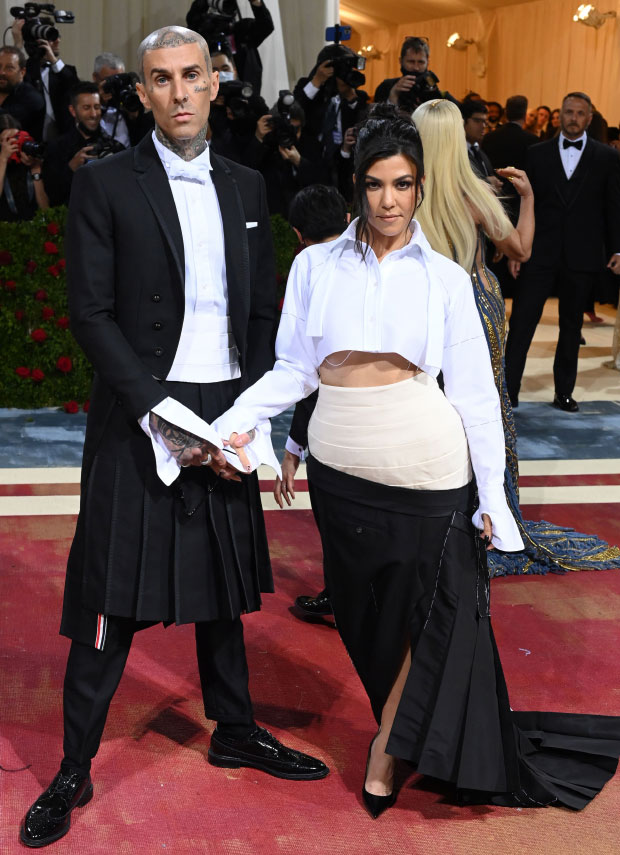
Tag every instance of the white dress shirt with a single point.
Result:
(571, 155)
(116, 129)
(416, 303)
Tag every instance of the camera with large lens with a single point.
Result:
(240, 106)
(36, 28)
(121, 89)
(217, 22)
(348, 68)
(424, 89)
(34, 149)
(104, 145)
(282, 133)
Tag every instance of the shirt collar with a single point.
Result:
(583, 137)
(167, 157)
(417, 244)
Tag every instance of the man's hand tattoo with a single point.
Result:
(177, 441)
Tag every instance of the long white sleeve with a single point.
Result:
(470, 388)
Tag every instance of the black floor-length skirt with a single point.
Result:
(406, 567)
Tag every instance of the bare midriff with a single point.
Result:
(357, 368)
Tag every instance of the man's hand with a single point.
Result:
(186, 448)
(291, 155)
(82, 157)
(8, 144)
(16, 31)
(323, 73)
(487, 532)
(263, 127)
(514, 268)
(286, 486)
(403, 85)
(614, 263)
(46, 51)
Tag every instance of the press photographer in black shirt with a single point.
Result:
(220, 23)
(84, 142)
(417, 83)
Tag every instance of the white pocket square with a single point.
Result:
(251, 225)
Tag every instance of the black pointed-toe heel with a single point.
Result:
(375, 805)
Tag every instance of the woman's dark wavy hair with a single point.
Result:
(388, 131)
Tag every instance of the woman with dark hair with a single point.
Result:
(21, 189)
(371, 318)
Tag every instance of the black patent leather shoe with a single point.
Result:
(566, 403)
(261, 750)
(375, 805)
(315, 606)
(49, 818)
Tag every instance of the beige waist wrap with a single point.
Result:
(406, 434)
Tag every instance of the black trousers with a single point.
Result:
(534, 286)
(93, 676)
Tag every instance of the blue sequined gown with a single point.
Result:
(548, 547)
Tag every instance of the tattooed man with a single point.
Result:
(171, 285)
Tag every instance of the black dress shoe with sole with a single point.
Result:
(566, 403)
(49, 818)
(261, 750)
(315, 606)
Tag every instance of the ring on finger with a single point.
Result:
(206, 461)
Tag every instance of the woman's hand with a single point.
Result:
(286, 486)
(487, 532)
(238, 441)
(8, 144)
(518, 178)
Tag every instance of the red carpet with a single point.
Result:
(154, 790)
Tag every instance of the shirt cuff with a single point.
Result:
(57, 66)
(505, 532)
(295, 448)
(310, 90)
(259, 451)
(182, 417)
(345, 154)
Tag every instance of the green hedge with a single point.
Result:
(42, 365)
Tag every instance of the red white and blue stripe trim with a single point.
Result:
(102, 628)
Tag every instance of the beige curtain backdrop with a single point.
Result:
(534, 49)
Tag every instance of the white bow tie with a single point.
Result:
(189, 170)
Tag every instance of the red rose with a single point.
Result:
(37, 375)
(5, 258)
(50, 248)
(61, 263)
(53, 228)
(19, 315)
(38, 335)
(86, 406)
(54, 270)
(64, 364)
(63, 323)
(22, 371)
(71, 407)
(41, 295)
(31, 266)
(9, 285)
(47, 312)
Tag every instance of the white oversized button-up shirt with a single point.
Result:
(416, 303)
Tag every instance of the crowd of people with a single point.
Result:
(393, 321)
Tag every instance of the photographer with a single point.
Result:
(18, 98)
(123, 116)
(84, 142)
(330, 98)
(417, 83)
(287, 156)
(220, 23)
(21, 190)
(235, 112)
(49, 75)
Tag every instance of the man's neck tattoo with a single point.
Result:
(186, 149)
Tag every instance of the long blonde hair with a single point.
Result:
(452, 191)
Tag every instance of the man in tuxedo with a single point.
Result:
(172, 296)
(576, 184)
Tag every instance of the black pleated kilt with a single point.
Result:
(194, 551)
(406, 567)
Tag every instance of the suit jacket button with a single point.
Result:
(156, 298)
(157, 325)
(159, 351)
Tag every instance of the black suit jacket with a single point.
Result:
(508, 145)
(26, 105)
(60, 85)
(577, 220)
(125, 278)
(482, 168)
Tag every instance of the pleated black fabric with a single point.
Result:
(407, 566)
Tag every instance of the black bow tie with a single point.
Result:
(576, 143)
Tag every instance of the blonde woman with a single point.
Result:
(458, 213)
